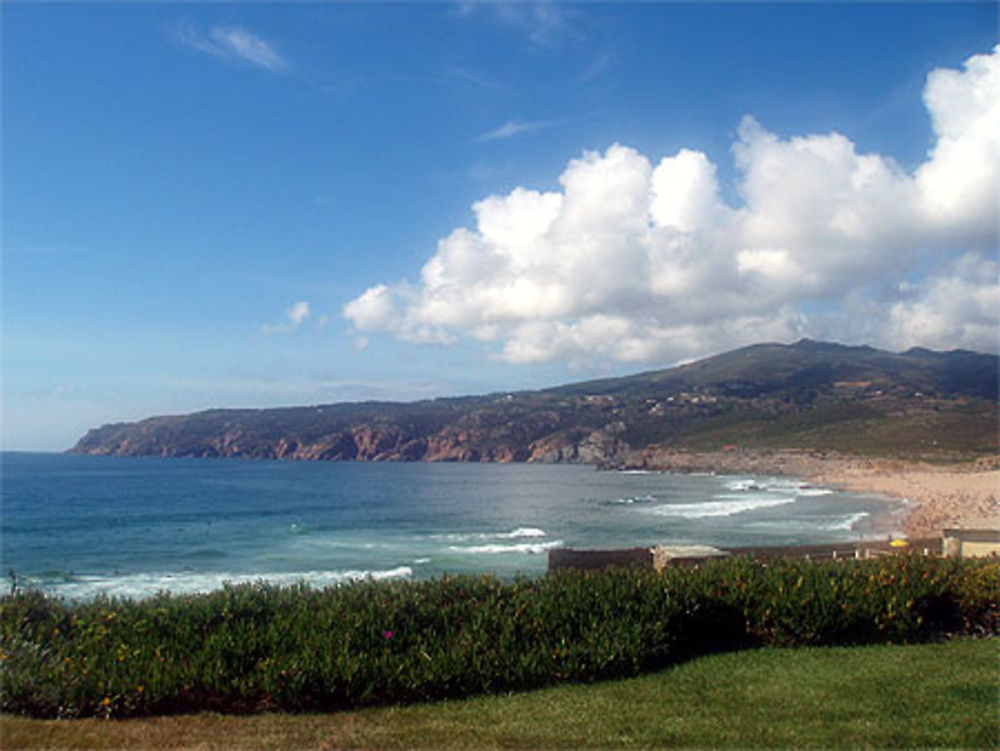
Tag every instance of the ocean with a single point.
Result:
(79, 526)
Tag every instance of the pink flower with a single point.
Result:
(387, 634)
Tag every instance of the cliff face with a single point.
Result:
(810, 395)
(174, 436)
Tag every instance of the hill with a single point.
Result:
(809, 395)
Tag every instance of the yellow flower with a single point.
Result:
(139, 690)
(106, 701)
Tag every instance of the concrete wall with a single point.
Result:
(970, 543)
(560, 558)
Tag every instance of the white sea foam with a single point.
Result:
(534, 548)
(138, 586)
(728, 507)
(524, 532)
(742, 484)
(776, 485)
(636, 499)
(845, 523)
(512, 535)
(830, 523)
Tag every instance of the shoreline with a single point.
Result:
(938, 495)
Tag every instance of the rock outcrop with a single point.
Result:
(807, 396)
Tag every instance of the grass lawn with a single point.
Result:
(932, 695)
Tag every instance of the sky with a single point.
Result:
(252, 205)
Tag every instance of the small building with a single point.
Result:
(972, 538)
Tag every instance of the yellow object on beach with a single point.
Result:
(898, 543)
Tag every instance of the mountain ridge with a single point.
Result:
(807, 395)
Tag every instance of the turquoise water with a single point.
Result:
(81, 525)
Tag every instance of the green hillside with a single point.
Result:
(809, 395)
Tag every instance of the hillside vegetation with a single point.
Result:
(807, 396)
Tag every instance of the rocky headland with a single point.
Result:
(851, 416)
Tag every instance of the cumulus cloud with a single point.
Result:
(637, 261)
(295, 316)
(958, 307)
(236, 45)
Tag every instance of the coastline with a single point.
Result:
(939, 495)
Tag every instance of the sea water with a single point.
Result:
(78, 526)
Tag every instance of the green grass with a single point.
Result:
(941, 695)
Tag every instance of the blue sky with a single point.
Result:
(257, 205)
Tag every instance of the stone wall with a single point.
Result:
(560, 558)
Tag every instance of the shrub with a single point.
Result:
(257, 646)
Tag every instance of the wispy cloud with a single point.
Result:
(295, 316)
(544, 23)
(514, 128)
(598, 66)
(476, 79)
(234, 44)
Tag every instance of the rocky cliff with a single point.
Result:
(810, 395)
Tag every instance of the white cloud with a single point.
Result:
(597, 67)
(374, 310)
(960, 182)
(236, 45)
(686, 193)
(957, 308)
(477, 79)
(545, 22)
(295, 316)
(642, 262)
(512, 128)
(298, 313)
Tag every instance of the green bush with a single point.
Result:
(255, 647)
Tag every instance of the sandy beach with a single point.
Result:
(940, 495)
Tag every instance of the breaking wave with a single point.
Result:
(776, 485)
(533, 548)
(524, 532)
(807, 492)
(512, 535)
(846, 523)
(628, 501)
(833, 523)
(727, 507)
(139, 586)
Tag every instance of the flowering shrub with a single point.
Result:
(257, 647)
